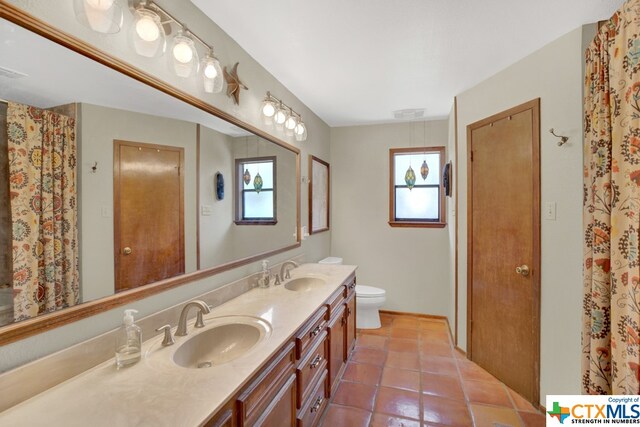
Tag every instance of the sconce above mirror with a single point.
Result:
(119, 114)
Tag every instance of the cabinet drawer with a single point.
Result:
(335, 300)
(310, 414)
(223, 418)
(310, 368)
(310, 332)
(261, 392)
(351, 286)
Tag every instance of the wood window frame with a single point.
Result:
(240, 192)
(393, 222)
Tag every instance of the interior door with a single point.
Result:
(149, 213)
(504, 247)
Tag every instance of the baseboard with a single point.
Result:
(422, 315)
(461, 351)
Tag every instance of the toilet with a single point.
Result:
(368, 301)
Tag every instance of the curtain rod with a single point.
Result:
(4, 101)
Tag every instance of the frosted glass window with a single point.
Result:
(253, 206)
(258, 205)
(423, 204)
(418, 203)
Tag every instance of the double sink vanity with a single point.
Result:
(270, 356)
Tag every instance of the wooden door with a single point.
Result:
(504, 237)
(149, 213)
(350, 333)
(337, 333)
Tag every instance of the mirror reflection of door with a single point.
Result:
(148, 213)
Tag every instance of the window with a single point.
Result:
(423, 204)
(256, 204)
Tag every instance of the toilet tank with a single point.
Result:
(331, 260)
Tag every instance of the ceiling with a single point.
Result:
(355, 61)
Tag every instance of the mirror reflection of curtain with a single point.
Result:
(6, 292)
(611, 319)
(42, 168)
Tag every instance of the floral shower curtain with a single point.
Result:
(42, 188)
(611, 320)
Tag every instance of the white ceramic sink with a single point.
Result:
(221, 343)
(304, 283)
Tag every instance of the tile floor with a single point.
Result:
(407, 374)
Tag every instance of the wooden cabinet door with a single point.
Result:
(225, 417)
(282, 410)
(337, 330)
(350, 333)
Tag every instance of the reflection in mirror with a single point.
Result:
(140, 193)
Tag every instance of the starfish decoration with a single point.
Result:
(233, 83)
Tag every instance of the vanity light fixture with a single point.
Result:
(102, 16)
(274, 111)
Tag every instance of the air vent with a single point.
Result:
(11, 74)
(409, 114)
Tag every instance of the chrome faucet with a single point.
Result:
(203, 308)
(284, 272)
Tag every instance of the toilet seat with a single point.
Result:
(363, 291)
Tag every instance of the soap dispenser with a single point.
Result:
(128, 341)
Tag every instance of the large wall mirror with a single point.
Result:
(158, 191)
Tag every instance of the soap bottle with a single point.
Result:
(128, 341)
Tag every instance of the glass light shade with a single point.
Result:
(184, 55)
(291, 122)
(257, 183)
(211, 74)
(102, 16)
(300, 131)
(246, 177)
(410, 178)
(280, 117)
(147, 34)
(424, 170)
(268, 108)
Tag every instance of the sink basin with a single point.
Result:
(304, 283)
(222, 343)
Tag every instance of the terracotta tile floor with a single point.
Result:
(407, 374)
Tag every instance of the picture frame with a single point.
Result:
(319, 195)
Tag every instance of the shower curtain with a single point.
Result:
(611, 319)
(42, 188)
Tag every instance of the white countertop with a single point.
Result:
(155, 392)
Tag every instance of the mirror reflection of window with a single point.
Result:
(257, 194)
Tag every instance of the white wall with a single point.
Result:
(61, 15)
(411, 264)
(554, 73)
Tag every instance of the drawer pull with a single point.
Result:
(318, 404)
(343, 320)
(316, 361)
(351, 286)
(348, 311)
(317, 330)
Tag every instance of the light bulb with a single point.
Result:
(291, 122)
(299, 129)
(147, 29)
(182, 52)
(210, 71)
(100, 4)
(268, 109)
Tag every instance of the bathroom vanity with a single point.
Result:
(306, 332)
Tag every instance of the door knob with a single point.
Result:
(126, 250)
(523, 270)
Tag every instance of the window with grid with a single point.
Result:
(418, 203)
(256, 199)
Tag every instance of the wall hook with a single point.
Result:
(94, 168)
(563, 139)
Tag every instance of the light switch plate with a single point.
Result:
(550, 211)
(206, 210)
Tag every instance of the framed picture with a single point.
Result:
(319, 193)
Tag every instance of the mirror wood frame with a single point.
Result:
(23, 329)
